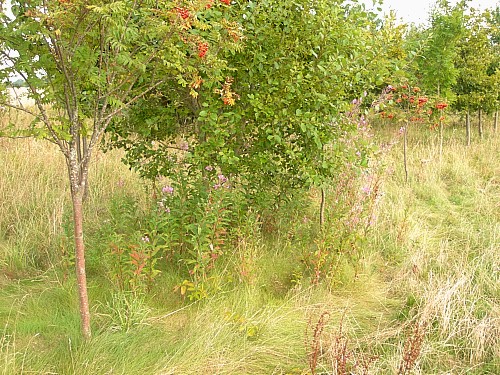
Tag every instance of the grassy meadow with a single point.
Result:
(421, 297)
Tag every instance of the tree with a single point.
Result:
(86, 62)
(278, 117)
(277, 126)
(436, 69)
(477, 83)
(436, 64)
(494, 69)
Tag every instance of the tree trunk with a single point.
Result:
(441, 134)
(480, 123)
(78, 182)
(495, 124)
(467, 128)
(322, 209)
(405, 151)
(81, 275)
(440, 125)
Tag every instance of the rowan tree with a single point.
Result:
(85, 63)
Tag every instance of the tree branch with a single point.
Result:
(108, 118)
(19, 108)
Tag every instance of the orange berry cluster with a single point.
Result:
(414, 99)
(202, 49)
(227, 95)
(183, 12)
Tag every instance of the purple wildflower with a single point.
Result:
(362, 120)
(222, 178)
(145, 238)
(209, 168)
(168, 190)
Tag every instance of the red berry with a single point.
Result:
(202, 49)
(227, 2)
(183, 12)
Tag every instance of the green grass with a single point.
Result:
(432, 257)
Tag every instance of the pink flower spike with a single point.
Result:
(168, 190)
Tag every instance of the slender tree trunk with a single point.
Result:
(467, 128)
(322, 209)
(441, 134)
(78, 173)
(495, 123)
(82, 169)
(81, 275)
(480, 123)
(405, 151)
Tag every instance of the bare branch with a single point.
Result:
(108, 118)
(16, 136)
(71, 96)
(46, 120)
(19, 108)
(99, 128)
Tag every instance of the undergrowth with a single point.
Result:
(408, 287)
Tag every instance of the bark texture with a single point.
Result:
(81, 275)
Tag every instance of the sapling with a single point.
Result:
(86, 63)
